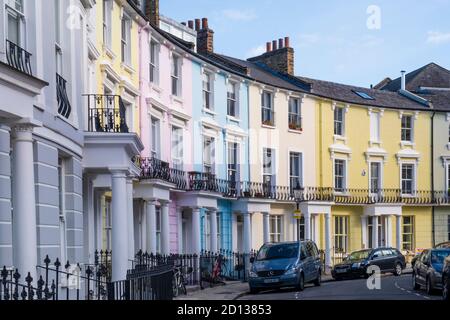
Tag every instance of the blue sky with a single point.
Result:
(331, 38)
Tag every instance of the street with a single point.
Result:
(392, 288)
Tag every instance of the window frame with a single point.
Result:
(176, 77)
(236, 164)
(233, 100)
(208, 90)
(380, 177)
(125, 39)
(211, 148)
(375, 126)
(177, 153)
(341, 233)
(275, 228)
(344, 176)
(219, 230)
(405, 130)
(339, 123)
(299, 177)
(107, 23)
(270, 121)
(411, 233)
(20, 17)
(297, 114)
(412, 179)
(155, 148)
(272, 166)
(154, 62)
(158, 231)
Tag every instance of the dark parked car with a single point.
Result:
(446, 279)
(285, 264)
(427, 271)
(356, 264)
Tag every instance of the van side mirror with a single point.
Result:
(252, 259)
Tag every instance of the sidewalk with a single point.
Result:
(232, 290)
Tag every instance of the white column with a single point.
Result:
(180, 229)
(119, 225)
(151, 226)
(165, 230)
(388, 231)
(89, 218)
(327, 241)
(24, 202)
(364, 220)
(143, 227)
(130, 220)
(375, 232)
(213, 236)
(266, 227)
(307, 226)
(398, 227)
(196, 240)
(247, 232)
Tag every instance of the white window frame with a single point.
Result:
(298, 112)
(290, 176)
(237, 164)
(208, 90)
(345, 184)
(272, 167)
(414, 178)
(212, 150)
(276, 233)
(411, 129)
(412, 224)
(125, 39)
(177, 154)
(343, 111)
(11, 10)
(219, 230)
(270, 109)
(375, 126)
(155, 149)
(58, 42)
(158, 222)
(380, 178)
(107, 22)
(154, 51)
(207, 231)
(178, 77)
(341, 222)
(235, 100)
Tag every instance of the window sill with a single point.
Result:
(109, 52)
(268, 126)
(127, 68)
(374, 143)
(154, 86)
(68, 121)
(176, 99)
(339, 138)
(407, 144)
(297, 131)
(233, 119)
(209, 111)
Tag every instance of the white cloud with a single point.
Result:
(239, 15)
(437, 37)
(256, 51)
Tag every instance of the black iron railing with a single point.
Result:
(152, 168)
(64, 107)
(201, 181)
(18, 58)
(106, 113)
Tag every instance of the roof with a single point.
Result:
(348, 94)
(431, 75)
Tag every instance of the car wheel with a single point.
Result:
(415, 285)
(318, 280)
(429, 287)
(445, 290)
(398, 269)
(301, 283)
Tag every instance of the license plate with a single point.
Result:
(341, 270)
(271, 280)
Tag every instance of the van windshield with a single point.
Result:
(278, 251)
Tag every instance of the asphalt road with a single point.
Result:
(391, 288)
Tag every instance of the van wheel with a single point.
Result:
(415, 285)
(301, 283)
(429, 287)
(398, 269)
(318, 280)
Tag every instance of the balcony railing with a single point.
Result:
(201, 181)
(153, 168)
(64, 107)
(18, 58)
(106, 113)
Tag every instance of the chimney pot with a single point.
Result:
(403, 85)
(280, 43)
(286, 42)
(268, 46)
(197, 24)
(152, 12)
(191, 24)
(274, 45)
(205, 23)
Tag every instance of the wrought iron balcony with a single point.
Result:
(265, 190)
(201, 181)
(18, 58)
(153, 168)
(106, 113)
(64, 107)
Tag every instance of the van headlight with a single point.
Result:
(356, 265)
(291, 271)
(252, 274)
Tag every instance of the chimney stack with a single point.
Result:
(279, 56)
(205, 38)
(152, 12)
(403, 85)
(197, 25)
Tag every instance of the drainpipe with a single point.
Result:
(433, 231)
